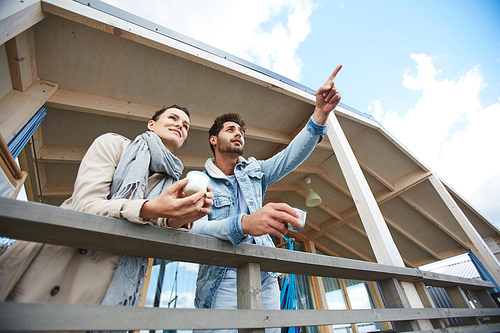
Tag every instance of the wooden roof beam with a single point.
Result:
(57, 189)
(17, 16)
(26, 105)
(75, 101)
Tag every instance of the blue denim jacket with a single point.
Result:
(253, 177)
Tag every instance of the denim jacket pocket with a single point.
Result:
(220, 208)
(255, 176)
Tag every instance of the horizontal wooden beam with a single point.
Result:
(75, 101)
(17, 16)
(17, 317)
(48, 224)
(17, 107)
(50, 153)
(57, 189)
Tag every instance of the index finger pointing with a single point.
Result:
(335, 72)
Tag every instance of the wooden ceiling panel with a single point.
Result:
(330, 195)
(78, 129)
(424, 198)
(61, 172)
(483, 227)
(331, 165)
(417, 225)
(87, 60)
(377, 152)
(354, 241)
(410, 252)
(315, 214)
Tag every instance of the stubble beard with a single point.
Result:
(227, 147)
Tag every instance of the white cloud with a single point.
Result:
(267, 33)
(184, 300)
(450, 131)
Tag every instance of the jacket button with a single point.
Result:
(54, 291)
(83, 251)
(213, 286)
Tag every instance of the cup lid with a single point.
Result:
(197, 173)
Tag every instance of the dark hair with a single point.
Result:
(175, 106)
(219, 124)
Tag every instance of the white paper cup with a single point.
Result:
(198, 181)
(302, 218)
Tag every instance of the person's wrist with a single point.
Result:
(146, 212)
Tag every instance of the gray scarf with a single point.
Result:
(146, 153)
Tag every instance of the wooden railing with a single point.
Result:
(47, 224)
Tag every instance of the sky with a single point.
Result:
(427, 71)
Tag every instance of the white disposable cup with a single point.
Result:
(302, 218)
(198, 181)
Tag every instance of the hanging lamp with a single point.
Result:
(312, 199)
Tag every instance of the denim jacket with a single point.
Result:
(253, 177)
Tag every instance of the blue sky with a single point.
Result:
(428, 71)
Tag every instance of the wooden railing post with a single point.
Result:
(428, 302)
(394, 297)
(486, 300)
(249, 291)
(459, 300)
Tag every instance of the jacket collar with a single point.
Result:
(214, 171)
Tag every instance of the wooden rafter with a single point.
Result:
(24, 15)
(26, 105)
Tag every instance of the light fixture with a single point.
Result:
(313, 199)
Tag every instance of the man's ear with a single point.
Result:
(213, 140)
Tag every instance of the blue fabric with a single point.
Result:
(288, 297)
(21, 138)
(485, 275)
(253, 177)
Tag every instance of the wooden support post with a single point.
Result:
(394, 297)
(481, 250)
(486, 301)
(249, 291)
(428, 303)
(22, 63)
(377, 231)
(458, 299)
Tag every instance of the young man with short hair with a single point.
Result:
(239, 186)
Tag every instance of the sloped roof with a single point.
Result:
(104, 73)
